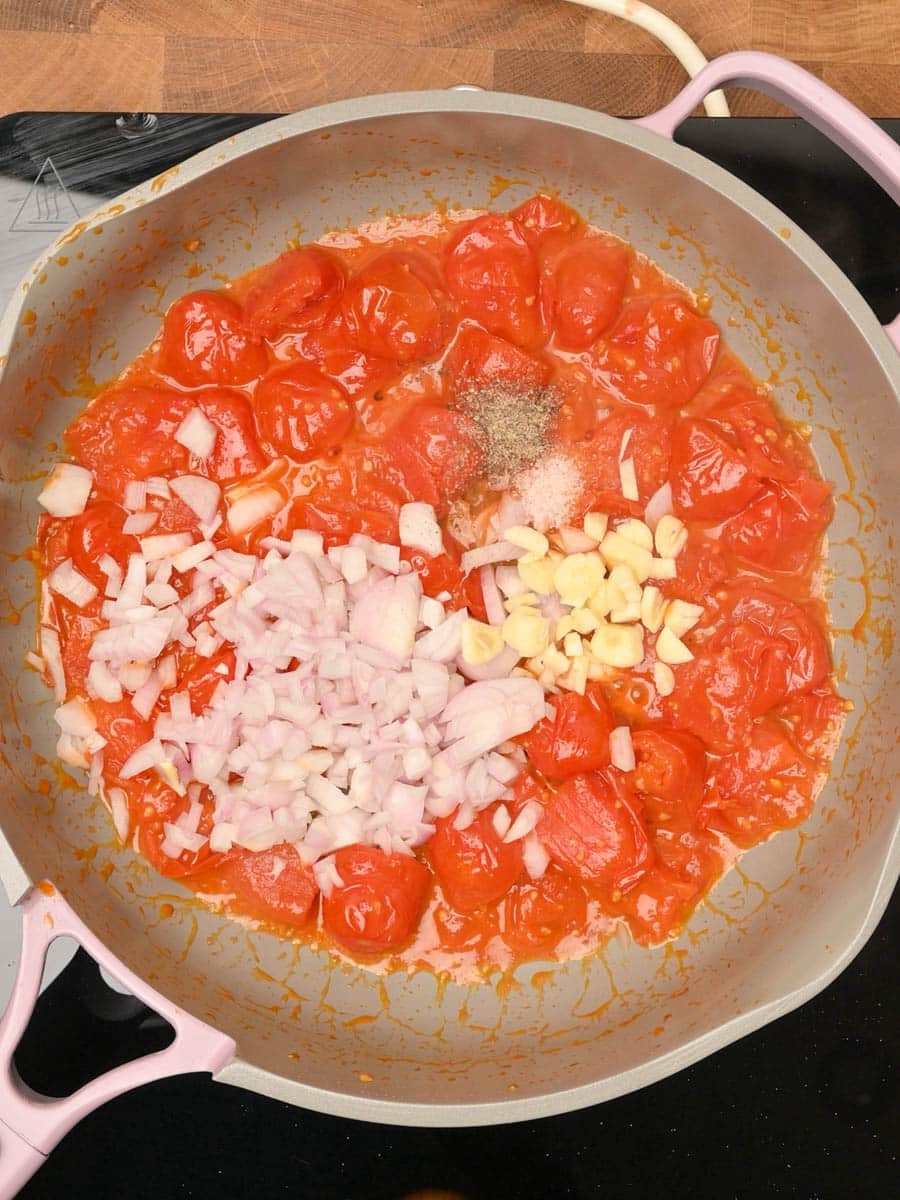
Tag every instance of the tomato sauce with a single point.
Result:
(330, 373)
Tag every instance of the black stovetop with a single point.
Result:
(807, 1107)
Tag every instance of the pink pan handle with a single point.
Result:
(31, 1124)
(876, 152)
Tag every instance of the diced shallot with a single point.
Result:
(419, 529)
(201, 495)
(66, 580)
(496, 552)
(621, 748)
(197, 433)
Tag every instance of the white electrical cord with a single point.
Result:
(672, 36)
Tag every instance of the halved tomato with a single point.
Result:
(378, 903)
(295, 291)
(473, 865)
(395, 307)
(492, 271)
(206, 340)
(576, 739)
(582, 288)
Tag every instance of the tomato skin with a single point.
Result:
(205, 340)
(478, 357)
(710, 477)
(296, 291)
(592, 829)
(546, 221)
(128, 432)
(378, 905)
(671, 768)
(273, 885)
(98, 531)
(538, 914)
(582, 289)
(648, 446)
(765, 785)
(436, 452)
(701, 568)
(781, 645)
(444, 574)
(813, 718)
(236, 452)
(493, 273)
(300, 413)
(332, 351)
(394, 307)
(780, 529)
(713, 699)
(658, 352)
(474, 865)
(576, 740)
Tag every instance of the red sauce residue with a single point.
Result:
(47, 887)
(735, 753)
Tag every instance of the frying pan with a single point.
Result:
(408, 1049)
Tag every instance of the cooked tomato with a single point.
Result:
(670, 770)
(647, 445)
(576, 740)
(271, 885)
(124, 731)
(473, 865)
(205, 340)
(701, 568)
(767, 784)
(658, 352)
(492, 271)
(478, 357)
(300, 413)
(582, 288)
(544, 220)
(592, 828)
(331, 350)
(377, 905)
(236, 452)
(537, 915)
(814, 717)
(710, 476)
(98, 532)
(395, 307)
(443, 574)
(128, 432)
(769, 450)
(780, 529)
(658, 906)
(199, 676)
(713, 698)
(296, 291)
(436, 452)
(779, 642)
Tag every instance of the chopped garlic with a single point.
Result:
(662, 568)
(663, 678)
(636, 531)
(670, 537)
(617, 549)
(575, 679)
(524, 599)
(670, 648)
(618, 645)
(681, 616)
(595, 525)
(583, 620)
(624, 595)
(572, 645)
(537, 574)
(527, 632)
(480, 642)
(535, 544)
(653, 607)
(578, 576)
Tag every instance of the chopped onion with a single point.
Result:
(525, 822)
(135, 495)
(575, 541)
(621, 748)
(118, 807)
(419, 529)
(66, 491)
(76, 718)
(253, 505)
(139, 523)
(534, 856)
(103, 684)
(197, 433)
(493, 601)
(659, 505)
(628, 479)
(497, 667)
(496, 552)
(67, 581)
(164, 545)
(201, 495)
(50, 649)
(143, 759)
